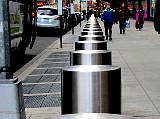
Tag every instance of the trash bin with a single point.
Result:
(91, 45)
(91, 89)
(90, 57)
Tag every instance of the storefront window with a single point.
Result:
(152, 7)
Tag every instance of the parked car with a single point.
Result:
(47, 17)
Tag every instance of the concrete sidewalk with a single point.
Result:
(136, 52)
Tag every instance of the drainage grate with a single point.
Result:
(38, 71)
(58, 79)
(58, 56)
(32, 79)
(46, 71)
(65, 52)
(53, 71)
(56, 88)
(52, 101)
(39, 79)
(27, 88)
(49, 78)
(66, 64)
(57, 60)
(34, 101)
(51, 65)
(41, 88)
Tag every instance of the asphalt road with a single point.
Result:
(41, 43)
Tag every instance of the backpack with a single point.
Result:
(108, 16)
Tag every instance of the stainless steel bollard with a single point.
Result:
(91, 45)
(92, 26)
(91, 33)
(91, 38)
(93, 23)
(90, 57)
(92, 29)
(91, 89)
(93, 116)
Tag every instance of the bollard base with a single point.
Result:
(11, 96)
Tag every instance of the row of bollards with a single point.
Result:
(91, 84)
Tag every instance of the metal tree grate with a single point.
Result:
(52, 101)
(41, 88)
(27, 88)
(32, 79)
(39, 79)
(46, 71)
(56, 88)
(51, 65)
(57, 60)
(34, 101)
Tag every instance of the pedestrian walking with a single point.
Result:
(108, 18)
(140, 17)
(123, 17)
(134, 13)
(116, 13)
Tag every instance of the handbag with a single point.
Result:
(127, 24)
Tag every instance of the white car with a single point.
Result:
(47, 17)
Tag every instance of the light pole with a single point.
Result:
(72, 16)
(60, 14)
(11, 95)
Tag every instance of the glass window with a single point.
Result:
(47, 11)
(152, 7)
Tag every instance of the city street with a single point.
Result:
(136, 52)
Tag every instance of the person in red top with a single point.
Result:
(123, 16)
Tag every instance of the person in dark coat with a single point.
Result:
(108, 18)
(123, 16)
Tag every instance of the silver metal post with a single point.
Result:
(91, 89)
